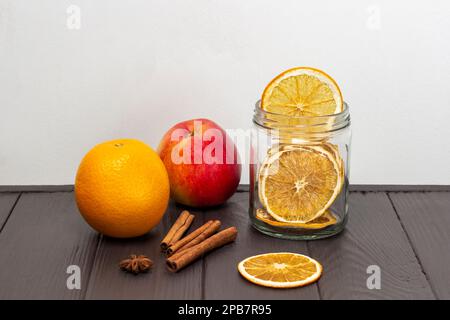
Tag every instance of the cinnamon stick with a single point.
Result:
(180, 226)
(197, 236)
(179, 261)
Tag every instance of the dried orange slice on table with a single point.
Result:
(299, 183)
(302, 91)
(280, 270)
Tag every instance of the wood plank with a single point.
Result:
(398, 188)
(222, 280)
(108, 282)
(7, 202)
(426, 219)
(44, 235)
(374, 236)
(37, 188)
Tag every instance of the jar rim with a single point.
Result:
(259, 110)
(319, 124)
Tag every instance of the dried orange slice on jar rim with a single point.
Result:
(297, 184)
(280, 270)
(325, 220)
(302, 91)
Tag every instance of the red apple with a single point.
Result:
(202, 162)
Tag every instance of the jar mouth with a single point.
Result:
(309, 124)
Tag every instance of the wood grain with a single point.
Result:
(44, 235)
(426, 219)
(222, 280)
(373, 236)
(7, 201)
(108, 282)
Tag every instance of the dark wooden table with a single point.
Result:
(403, 230)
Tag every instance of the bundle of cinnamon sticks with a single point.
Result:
(181, 251)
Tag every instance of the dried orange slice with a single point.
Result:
(299, 183)
(327, 146)
(334, 150)
(325, 220)
(280, 270)
(302, 91)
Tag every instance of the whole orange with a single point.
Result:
(122, 188)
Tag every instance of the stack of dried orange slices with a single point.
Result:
(299, 179)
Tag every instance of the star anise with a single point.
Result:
(136, 264)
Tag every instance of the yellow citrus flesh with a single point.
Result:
(334, 151)
(280, 270)
(302, 91)
(325, 220)
(298, 183)
(326, 146)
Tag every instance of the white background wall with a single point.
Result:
(135, 68)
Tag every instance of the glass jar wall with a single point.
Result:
(299, 169)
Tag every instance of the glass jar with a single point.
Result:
(299, 168)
